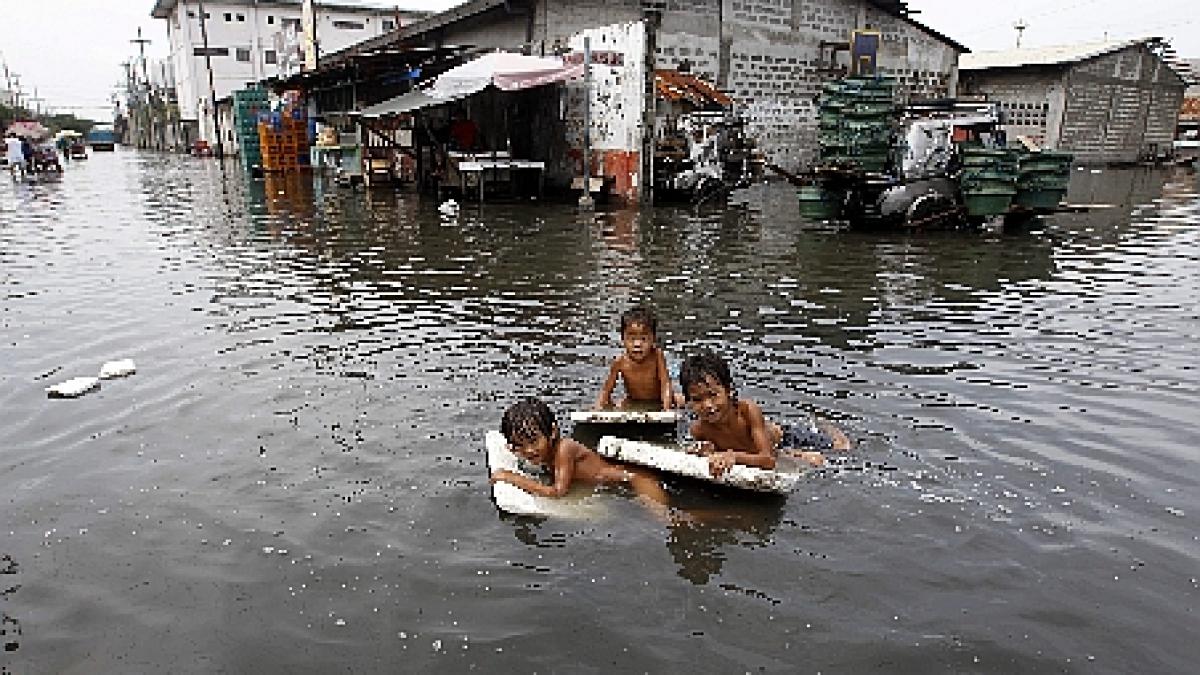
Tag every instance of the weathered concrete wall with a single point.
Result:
(1110, 109)
(1033, 100)
(1119, 106)
(767, 54)
(617, 102)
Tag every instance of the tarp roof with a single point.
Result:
(28, 129)
(505, 71)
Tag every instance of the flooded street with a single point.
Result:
(294, 479)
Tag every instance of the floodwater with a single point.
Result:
(293, 480)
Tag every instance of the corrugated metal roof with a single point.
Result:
(1044, 56)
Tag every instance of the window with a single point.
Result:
(242, 18)
(388, 24)
(348, 25)
(270, 19)
(292, 23)
(228, 16)
(269, 57)
(191, 14)
(243, 54)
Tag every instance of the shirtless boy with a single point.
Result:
(732, 430)
(532, 434)
(641, 367)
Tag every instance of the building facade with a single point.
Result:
(249, 41)
(1107, 103)
(771, 56)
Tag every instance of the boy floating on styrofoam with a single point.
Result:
(641, 367)
(732, 430)
(532, 434)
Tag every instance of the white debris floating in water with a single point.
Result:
(74, 387)
(121, 368)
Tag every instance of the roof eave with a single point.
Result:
(163, 8)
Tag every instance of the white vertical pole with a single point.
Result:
(585, 200)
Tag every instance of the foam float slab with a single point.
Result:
(677, 460)
(122, 368)
(74, 387)
(511, 499)
(626, 416)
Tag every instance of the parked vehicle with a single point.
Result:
(102, 138)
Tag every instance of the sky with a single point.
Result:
(71, 50)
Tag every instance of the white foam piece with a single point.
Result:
(512, 499)
(120, 368)
(74, 387)
(626, 416)
(674, 459)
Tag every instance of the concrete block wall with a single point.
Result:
(767, 55)
(1119, 106)
(1032, 101)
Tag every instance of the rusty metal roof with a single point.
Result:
(676, 86)
(1191, 109)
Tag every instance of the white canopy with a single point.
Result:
(507, 72)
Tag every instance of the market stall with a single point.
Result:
(471, 130)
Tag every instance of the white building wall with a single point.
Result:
(250, 27)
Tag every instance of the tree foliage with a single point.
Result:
(55, 123)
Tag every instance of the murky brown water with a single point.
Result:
(293, 480)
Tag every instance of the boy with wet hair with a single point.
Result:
(641, 367)
(532, 434)
(732, 430)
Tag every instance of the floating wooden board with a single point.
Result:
(584, 505)
(674, 459)
(626, 416)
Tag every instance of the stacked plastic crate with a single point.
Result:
(1043, 179)
(283, 137)
(858, 117)
(247, 105)
(988, 180)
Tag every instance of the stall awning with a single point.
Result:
(413, 100)
(507, 72)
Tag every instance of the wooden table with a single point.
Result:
(495, 166)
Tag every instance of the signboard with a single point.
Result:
(210, 51)
(864, 52)
(599, 58)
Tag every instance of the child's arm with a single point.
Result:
(604, 400)
(564, 471)
(664, 383)
(762, 455)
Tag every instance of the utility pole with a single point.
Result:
(1020, 25)
(211, 87)
(143, 96)
(16, 90)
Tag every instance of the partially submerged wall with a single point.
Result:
(618, 75)
(1120, 106)
(768, 55)
(1033, 100)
